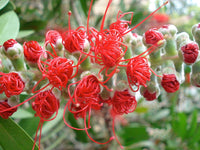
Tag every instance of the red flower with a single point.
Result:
(123, 103)
(149, 96)
(59, 71)
(152, 37)
(190, 52)
(4, 105)
(9, 43)
(88, 86)
(160, 18)
(121, 25)
(73, 40)
(45, 104)
(32, 51)
(11, 84)
(138, 72)
(170, 83)
(52, 36)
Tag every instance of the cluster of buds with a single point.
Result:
(93, 69)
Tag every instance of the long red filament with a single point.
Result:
(104, 17)
(146, 18)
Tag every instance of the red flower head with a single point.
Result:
(32, 51)
(52, 36)
(170, 83)
(45, 104)
(59, 71)
(88, 86)
(138, 72)
(149, 96)
(190, 52)
(4, 105)
(123, 103)
(74, 40)
(152, 37)
(11, 84)
(9, 43)
(108, 53)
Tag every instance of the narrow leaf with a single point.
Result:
(13, 137)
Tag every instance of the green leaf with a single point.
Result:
(3, 3)
(9, 26)
(193, 124)
(22, 114)
(180, 125)
(133, 133)
(13, 137)
(25, 33)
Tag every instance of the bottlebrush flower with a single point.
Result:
(170, 83)
(189, 52)
(138, 72)
(123, 103)
(11, 83)
(32, 51)
(152, 37)
(4, 105)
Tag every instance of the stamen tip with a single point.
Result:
(69, 13)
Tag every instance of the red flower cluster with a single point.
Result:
(107, 50)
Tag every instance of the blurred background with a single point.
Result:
(172, 122)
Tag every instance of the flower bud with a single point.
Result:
(151, 92)
(32, 51)
(11, 84)
(153, 37)
(168, 31)
(189, 52)
(12, 49)
(181, 38)
(4, 105)
(45, 104)
(196, 32)
(53, 38)
(170, 83)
